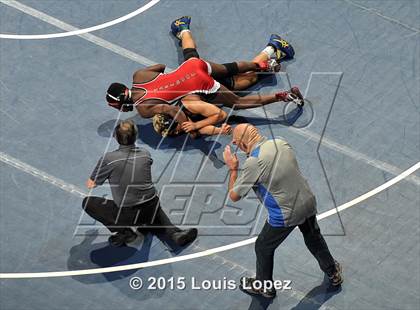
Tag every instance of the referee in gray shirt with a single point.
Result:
(271, 170)
(135, 202)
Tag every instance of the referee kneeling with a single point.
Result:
(272, 171)
(135, 204)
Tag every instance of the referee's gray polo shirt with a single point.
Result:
(272, 171)
(128, 171)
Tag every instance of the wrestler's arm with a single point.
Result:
(211, 130)
(151, 107)
(195, 105)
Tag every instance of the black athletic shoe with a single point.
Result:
(183, 237)
(246, 285)
(337, 277)
(122, 238)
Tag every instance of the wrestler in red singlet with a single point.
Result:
(192, 76)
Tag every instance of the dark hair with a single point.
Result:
(126, 133)
(115, 90)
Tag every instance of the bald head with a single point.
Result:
(245, 136)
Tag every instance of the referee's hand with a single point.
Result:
(231, 160)
(90, 184)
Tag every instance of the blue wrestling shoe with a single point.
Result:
(180, 24)
(284, 51)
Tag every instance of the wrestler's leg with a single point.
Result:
(239, 73)
(247, 73)
(263, 62)
(277, 48)
(187, 40)
(181, 29)
(228, 98)
(248, 79)
(244, 81)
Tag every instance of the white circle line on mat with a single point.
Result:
(208, 252)
(74, 32)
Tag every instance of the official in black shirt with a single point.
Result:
(135, 202)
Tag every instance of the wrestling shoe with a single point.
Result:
(270, 65)
(183, 237)
(336, 278)
(293, 95)
(284, 50)
(122, 238)
(247, 285)
(179, 25)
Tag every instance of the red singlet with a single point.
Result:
(192, 76)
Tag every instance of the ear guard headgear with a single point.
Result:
(115, 97)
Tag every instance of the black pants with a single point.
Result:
(147, 216)
(271, 237)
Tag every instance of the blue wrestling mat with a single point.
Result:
(357, 141)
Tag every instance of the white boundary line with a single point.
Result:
(87, 36)
(378, 13)
(14, 162)
(69, 33)
(208, 252)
